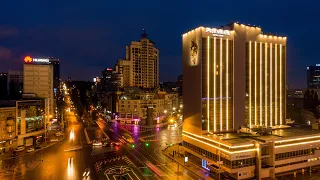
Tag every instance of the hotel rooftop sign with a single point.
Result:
(218, 32)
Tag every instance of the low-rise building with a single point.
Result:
(255, 154)
(133, 104)
(22, 122)
(7, 127)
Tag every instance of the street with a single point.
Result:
(144, 157)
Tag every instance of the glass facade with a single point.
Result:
(34, 115)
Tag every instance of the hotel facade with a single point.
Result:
(234, 80)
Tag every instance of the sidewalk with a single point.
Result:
(51, 135)
(203, 174)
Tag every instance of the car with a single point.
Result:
(97, 143)
(86, 172)
(117, 143)
(30, 150)
(19, 148)
(54, 140)
(14, 154)
(38, 147)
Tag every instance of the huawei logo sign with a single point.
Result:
(27, 59)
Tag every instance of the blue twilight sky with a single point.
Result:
(89, 36)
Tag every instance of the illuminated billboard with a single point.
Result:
(29, 59)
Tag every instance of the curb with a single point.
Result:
(36, 150)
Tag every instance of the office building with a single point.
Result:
(124, 74)
(313, 77)
(15, 82)
(3, 86)
(144, 58)
(134, 102)
(7, 127)
(109, 80)
(38, 79)
(56, 74)
(235, 76)
(21, 122)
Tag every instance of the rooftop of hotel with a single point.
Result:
(245, 25)
(235, 139)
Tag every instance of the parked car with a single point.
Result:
(14, 154)
(38, 147)
(19, 148)
(30, 150)
(54, 140)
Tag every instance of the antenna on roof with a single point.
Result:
(144, 34)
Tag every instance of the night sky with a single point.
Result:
(88, 37)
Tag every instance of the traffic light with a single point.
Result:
(132, 145)
(147, 144)
(170, 144)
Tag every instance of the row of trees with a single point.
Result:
(311, 101)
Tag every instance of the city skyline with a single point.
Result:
(67, 27)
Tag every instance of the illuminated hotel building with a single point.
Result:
(235, 76)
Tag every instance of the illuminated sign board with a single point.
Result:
(40, 60)
(218, 32)
(29, 59)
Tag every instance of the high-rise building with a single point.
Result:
(38, 79)
(313, 77)
(56, 74)
(15, 82)
(145, 62)
(108, 80)
(3, 85)
(235, 76)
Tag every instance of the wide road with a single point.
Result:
(150, 156)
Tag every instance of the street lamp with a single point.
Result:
(165, 111)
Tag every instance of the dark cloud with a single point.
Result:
(7, 31)
(5, 54)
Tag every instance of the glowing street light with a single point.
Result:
(165, 111)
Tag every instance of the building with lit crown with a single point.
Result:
(144, 59)
(234, 93)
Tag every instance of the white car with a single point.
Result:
(30, 150)
(97, 144)
(20, 148)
